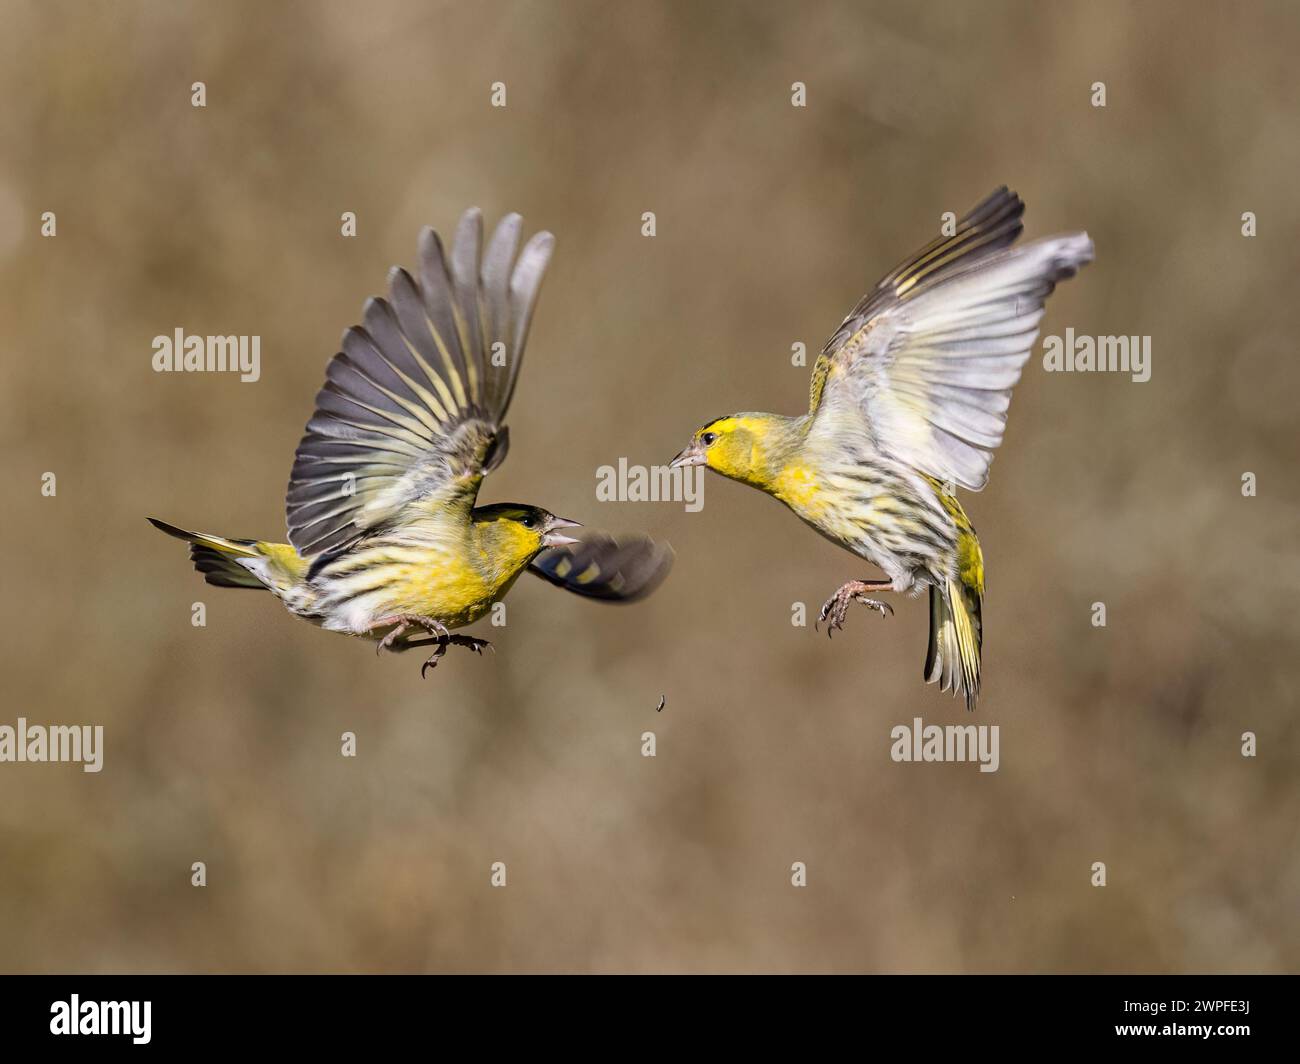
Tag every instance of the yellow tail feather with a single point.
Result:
(953, 658)
(216, 557)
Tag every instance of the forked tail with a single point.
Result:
(239, 562)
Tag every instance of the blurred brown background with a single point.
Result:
(222, 743)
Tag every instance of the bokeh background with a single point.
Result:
(1119, 744)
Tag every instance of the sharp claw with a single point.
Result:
(836, 609)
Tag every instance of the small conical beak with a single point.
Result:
(692, 455)
(552, 538)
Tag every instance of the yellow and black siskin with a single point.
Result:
(385, 537)
(908, 401)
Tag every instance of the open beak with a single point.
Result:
(552, 538)
(693, 455)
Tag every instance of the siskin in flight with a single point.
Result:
(908, 402)
(385, 539)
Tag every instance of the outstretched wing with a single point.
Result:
(928, 358)
(602, 567)
(412, 408)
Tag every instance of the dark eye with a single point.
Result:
(528, 521)
(708, 438)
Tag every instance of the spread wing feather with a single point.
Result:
(602, 567)
(413, 405)
(928, 358)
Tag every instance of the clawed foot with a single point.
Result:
(439, 649)
(444, 641)
(442, 638)
(404, 622)
(837, 606)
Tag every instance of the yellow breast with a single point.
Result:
(799, 487)
(447, 588)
